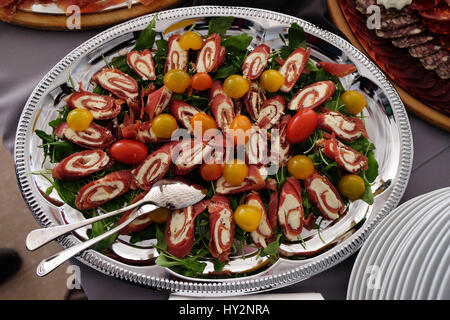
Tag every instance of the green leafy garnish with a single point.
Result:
(220, 25)
(147, 36)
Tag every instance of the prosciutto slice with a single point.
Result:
(102, 190)
(210, 54)
(271, 111)
(324, 196)
(145, 134)
(290, 209)
(94, 137)
(345, 128)
(153, 168)
(101, 107)
(222, 227)
(180, 231)
(118, 83)
(346, 158)
(157, 101)
(187, 154)
(142, 63)
(183, 112)
(253, 100)
(313, 95)
(254, 181)
(177, 58)
(293, 67)
(264, 232)
(81, 164)
(255, 63)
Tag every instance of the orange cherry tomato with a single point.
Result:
(239, 129)
(201, 81)
(128, 151)
(211, 171)
(203, 120)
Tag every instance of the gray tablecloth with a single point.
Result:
(27, 55)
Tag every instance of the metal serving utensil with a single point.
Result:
(172, 194)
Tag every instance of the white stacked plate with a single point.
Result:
(407, 256)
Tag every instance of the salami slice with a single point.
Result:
(411, 41)
(102, 190)
(324, 196)
(255, 63)
(264, 232)
(290, 209)
(433, 61)
(410, 30)
(253, 100)
(345, 128)
(157, 101)
(101, 107)
(180, 231)
(346, 158)
(440, 13)
(398, 21)
(255, 180)
(142, 63)
(293, 67)
(313, 95)
(183, 112)
(443, 70)
(81, 164)
(94, 137)
(177, 58)
(426, 49)
(270, 112)
(153, 168)
(118, 83)
(209, 57)
(222, 227)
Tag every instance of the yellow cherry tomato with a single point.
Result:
(271, 80)
(354, 101)
(351, 186)
(164, 125)
(202, 121)
(236, 86)
(177, 80)
(300, 166)
(159, 215)
(235, 172)
(79, 119)
(247, 217)
(239, 129)
(190, 40)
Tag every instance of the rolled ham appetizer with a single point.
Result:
(183, 112)
(94, 137)
(103, 190)
(290, 209)
(256, 148)
(223, 110)
(254, 181)
(293, 67)
(81, 164)
(255, 63)
(281, 149)
(154, 167)
(270, 112)
(346, 158)
(142, 63)
(264, 233)
(118, 83)
(157, 101)
(222, 227)
(145, 134)
(272, 185)
(137, 224)
(324, 196)
(180, 231)
(313, 95)
(253, 100)
(345, 128)
(177, 58)
(101, 107)
(187, 154)
(211, 54)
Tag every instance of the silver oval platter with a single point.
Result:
(386, 121)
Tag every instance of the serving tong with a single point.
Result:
(171, 194)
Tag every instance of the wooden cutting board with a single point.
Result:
(413, 105)
(90, 20)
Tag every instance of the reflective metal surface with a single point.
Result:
(52, 8)
(387, 126)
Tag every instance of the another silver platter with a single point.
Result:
(386, 121)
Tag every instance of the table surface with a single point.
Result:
(27, 55)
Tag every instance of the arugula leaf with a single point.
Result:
(296, 37)
(220, 25)
(99, 90)
(372, 171)
(226, 71)
(368, 195)
(98, 228)
(147, 36)
(219, 265)
(146, 234)
(239, 42)
(161, 238)
(163, 261)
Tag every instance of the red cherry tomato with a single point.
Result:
(301, 126)
(128, 151)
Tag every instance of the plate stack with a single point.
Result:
(407, 256)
